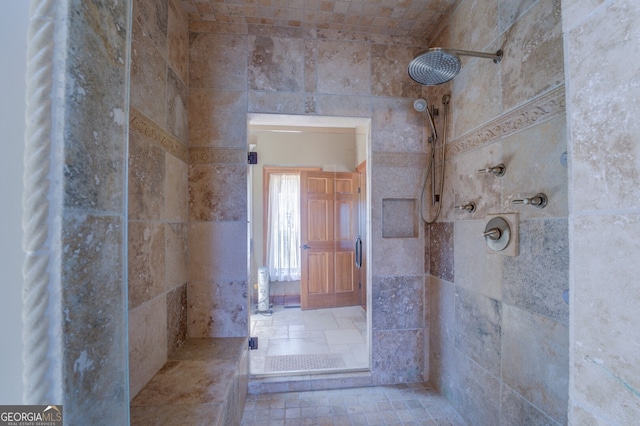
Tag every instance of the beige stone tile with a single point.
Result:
(275, 64)
(533, 165)
(403, 255)
(147, 342)
(178, 40)
(388, 71)
(217, 61)
(389, 363)
(217, 118)
(510, 11)
(152, 16)
(476, 267)
(177, 114)
(605, 150)
(310, 65)
(217, 309)
(478, 328)
(573, 12)
(146, 179)
(148, 76)
(604, 297)
(343, 68)
(216, 250)
(477, 96)
(350, 106)
(543, 346)
(397, 303)
(146, 262)
(483, 15)
(176, 318)
(280, 102)
(211, 349)
(176, 189)
(217, 192)
(469, 185)
(396, 126)
(187, 382)
(533, 54)
(194, 414)
(176, 272)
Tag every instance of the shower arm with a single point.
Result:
(497, 57)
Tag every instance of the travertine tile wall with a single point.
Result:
(75, 158)
(240, 69)
(603, 69)
(158, 204)
(499, 337)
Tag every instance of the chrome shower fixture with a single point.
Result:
(421, 105)
(437, 65)
(470, 207)
(539, 200)
(497, 171)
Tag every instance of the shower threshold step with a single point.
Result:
(274, 383)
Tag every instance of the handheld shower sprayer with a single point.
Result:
(437, 191)
(421, 105)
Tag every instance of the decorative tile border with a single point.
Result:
(217, 156)
(544, 108)
(143, 125)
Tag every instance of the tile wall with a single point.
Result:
(499, 328)
(77, 247)
(158, 204)
(603, 71)
(240, 69)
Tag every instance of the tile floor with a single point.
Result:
(337, 336)
(413, 404)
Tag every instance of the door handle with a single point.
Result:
(358, 253)
(306, 247)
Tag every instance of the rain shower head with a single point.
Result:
(437, 66)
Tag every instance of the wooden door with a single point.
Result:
(328, 222)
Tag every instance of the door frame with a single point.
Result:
(362, 126)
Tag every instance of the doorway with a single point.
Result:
(321, 324)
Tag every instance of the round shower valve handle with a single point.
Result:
(539, 200)
(493, 234)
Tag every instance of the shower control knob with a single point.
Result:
(539, 200)
(496, 170)
(470, 207)
(493, 234)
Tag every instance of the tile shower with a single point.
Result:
(442, 308)
(89, 119)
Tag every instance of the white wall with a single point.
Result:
(13, 33)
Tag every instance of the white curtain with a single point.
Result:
(283, 236)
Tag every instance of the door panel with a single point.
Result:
(318, 215)
(319, 269)
(328, 209)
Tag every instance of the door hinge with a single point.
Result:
(359, 285)
(253, 343)
(252, 158)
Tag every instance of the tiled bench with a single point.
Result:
(204, 383)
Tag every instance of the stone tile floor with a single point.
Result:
(341, 332)
(414, 404)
